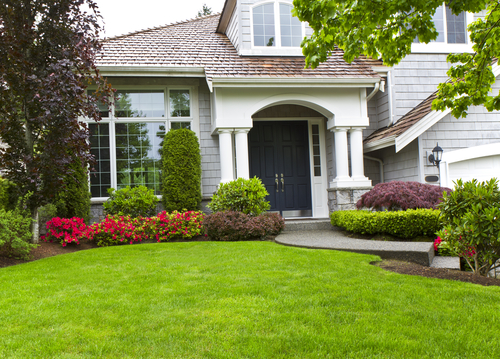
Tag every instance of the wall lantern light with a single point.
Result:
(435, 158)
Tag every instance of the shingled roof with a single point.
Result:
(195, 43)
(404, 123)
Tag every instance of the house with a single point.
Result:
(318, 139)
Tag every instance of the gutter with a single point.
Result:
(381, 166)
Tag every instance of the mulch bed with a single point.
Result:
(46, 249)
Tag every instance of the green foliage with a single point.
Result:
(242, 195)
(15, 234)
(403, 224)
(8, 195)
(470, 217)
(73, 200)
(387, 29)
(181, 182)
(134, 202)
(238, 226)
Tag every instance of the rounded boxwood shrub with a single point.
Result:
(134, 202)
(243, 195)
(399, 195)
(181, 182)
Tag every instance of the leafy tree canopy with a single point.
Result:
(385, 29)
(204, 11)
(47, 60)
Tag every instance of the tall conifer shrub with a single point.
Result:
(181, 182)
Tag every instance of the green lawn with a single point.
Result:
(237, 300)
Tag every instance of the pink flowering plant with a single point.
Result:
(470, 216)
(175, 225)
(114, 230)
(65, 230)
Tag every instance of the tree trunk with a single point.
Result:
(35, 229)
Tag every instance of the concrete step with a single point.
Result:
(292, 225)
(446, 262)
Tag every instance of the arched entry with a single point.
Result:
(279, 156)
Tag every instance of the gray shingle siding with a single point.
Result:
(401, 166)
(415, 78)
(210, 161)
(232, 29)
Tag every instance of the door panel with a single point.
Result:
(284, 150)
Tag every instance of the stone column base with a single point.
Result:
(343, 199)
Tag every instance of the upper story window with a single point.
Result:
(274, 26)
(452, 31)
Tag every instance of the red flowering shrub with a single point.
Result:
(117, 230)
(65, 230)
(166, 226)
(397, 195)
(238, 226)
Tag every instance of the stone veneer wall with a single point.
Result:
(344, 199)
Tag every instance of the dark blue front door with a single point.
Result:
(279, 156)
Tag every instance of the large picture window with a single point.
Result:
(127, 143)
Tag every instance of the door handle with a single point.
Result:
(277, 183)
(282, 183)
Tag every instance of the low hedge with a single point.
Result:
(403, 224)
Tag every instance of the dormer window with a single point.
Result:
(452, 33)
(274, 26)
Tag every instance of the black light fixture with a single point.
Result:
(436, 156)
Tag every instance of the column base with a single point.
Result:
(361, 182)
(341, 182)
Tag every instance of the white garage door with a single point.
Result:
(482, 169)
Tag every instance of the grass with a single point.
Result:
(237, 300)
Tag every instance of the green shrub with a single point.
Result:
(8, 195)
(181, 182)
(74, 198)
(403, 224)
(242, 195)
(15, 234)
(134, 202)
(470, 217)
(238, 226)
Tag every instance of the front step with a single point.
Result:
(292, 225)
(446, 262)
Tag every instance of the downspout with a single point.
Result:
(375, 90)
(381, 166)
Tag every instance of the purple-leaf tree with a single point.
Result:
(47, 61)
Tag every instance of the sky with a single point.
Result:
(125, 16)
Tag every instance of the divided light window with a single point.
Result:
(452, 28)
(268, 28)
(127, 143)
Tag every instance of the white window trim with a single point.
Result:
(112, 120)
(445, 47)
(277, 49)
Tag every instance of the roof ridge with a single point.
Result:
(160, 27)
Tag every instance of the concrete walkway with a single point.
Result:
(417, 252)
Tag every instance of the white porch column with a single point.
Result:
(226, 155)
(357, 167)
(241, 139)
(341, 158)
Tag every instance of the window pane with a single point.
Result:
(138, 154)
(316, 151)
(139, 103)
(438, 19)
(179, 125)
(456, 28)
(263, 25)
(100, 179)
(291, 28)
(179, 103)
